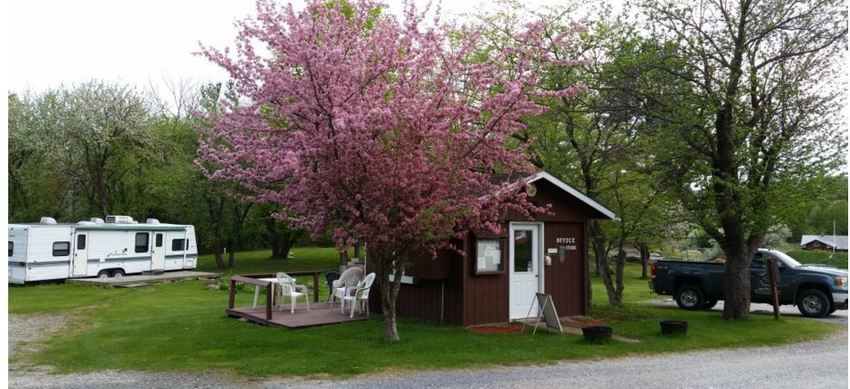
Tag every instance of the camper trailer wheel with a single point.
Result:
(118, 273)
(103, 274)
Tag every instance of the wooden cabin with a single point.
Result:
(497, 278)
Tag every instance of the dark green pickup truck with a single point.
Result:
(817, 291)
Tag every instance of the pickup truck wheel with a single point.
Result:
(690, 297)
(813, 303)
(709, 303)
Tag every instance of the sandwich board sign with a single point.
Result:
(546, 312)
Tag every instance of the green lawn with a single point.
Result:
(838, 260)
(182, 327)
(303, 258)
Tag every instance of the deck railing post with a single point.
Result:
(315, 287)
(231, 298)
(269, 302)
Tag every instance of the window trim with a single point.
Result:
(147, 245)
(502, 253)
(67, 250)
(182, 244)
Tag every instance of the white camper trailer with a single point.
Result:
(50, 251)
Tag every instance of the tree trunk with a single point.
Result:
(605, 274)
(285, 247)
(219, 260)
(272, 238)
(343, 257)
(644, 260)
(389, 295)
(231, 256)
(618, 275)
(736, 277)
(598, 240)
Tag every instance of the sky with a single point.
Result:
(136, 42)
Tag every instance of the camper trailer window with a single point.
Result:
(177, 245)
(142, 239)
(11, 248)
(61, 249)
(158, 240)
(81, 242)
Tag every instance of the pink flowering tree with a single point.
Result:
(382, 131)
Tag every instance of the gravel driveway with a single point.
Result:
(821, 364)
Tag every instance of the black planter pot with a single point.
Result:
(597, 334)
(674, 327)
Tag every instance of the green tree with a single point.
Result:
(755, 114)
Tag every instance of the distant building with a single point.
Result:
(824, 242)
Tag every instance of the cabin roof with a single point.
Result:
(837, 241)
(605, 212)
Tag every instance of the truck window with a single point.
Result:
(11, 248)
(61, 249)
(177, 245)
(142, 240)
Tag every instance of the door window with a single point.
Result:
(523, 251)
(158, 240)
(81, 242)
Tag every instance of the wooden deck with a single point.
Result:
(320, 314)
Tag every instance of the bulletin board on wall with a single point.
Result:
(489, 256)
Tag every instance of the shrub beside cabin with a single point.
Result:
(497, 279)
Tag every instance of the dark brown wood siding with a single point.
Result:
(430, 299)
(485, 296)
(565, 281)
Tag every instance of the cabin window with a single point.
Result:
(11, 248)
(142, 240)
(488, 256)
(158, 240)
(81, 242)
(61, 249)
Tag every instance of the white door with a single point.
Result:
(524, 277)
(158, 252)
(81, 256)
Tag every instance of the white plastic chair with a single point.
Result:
(289, 289)
(360, 295)
(347, 281)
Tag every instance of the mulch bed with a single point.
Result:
(503, 329)
(582, 321)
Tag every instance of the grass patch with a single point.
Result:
(838, 260)
(261, 261)
(182, 327)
